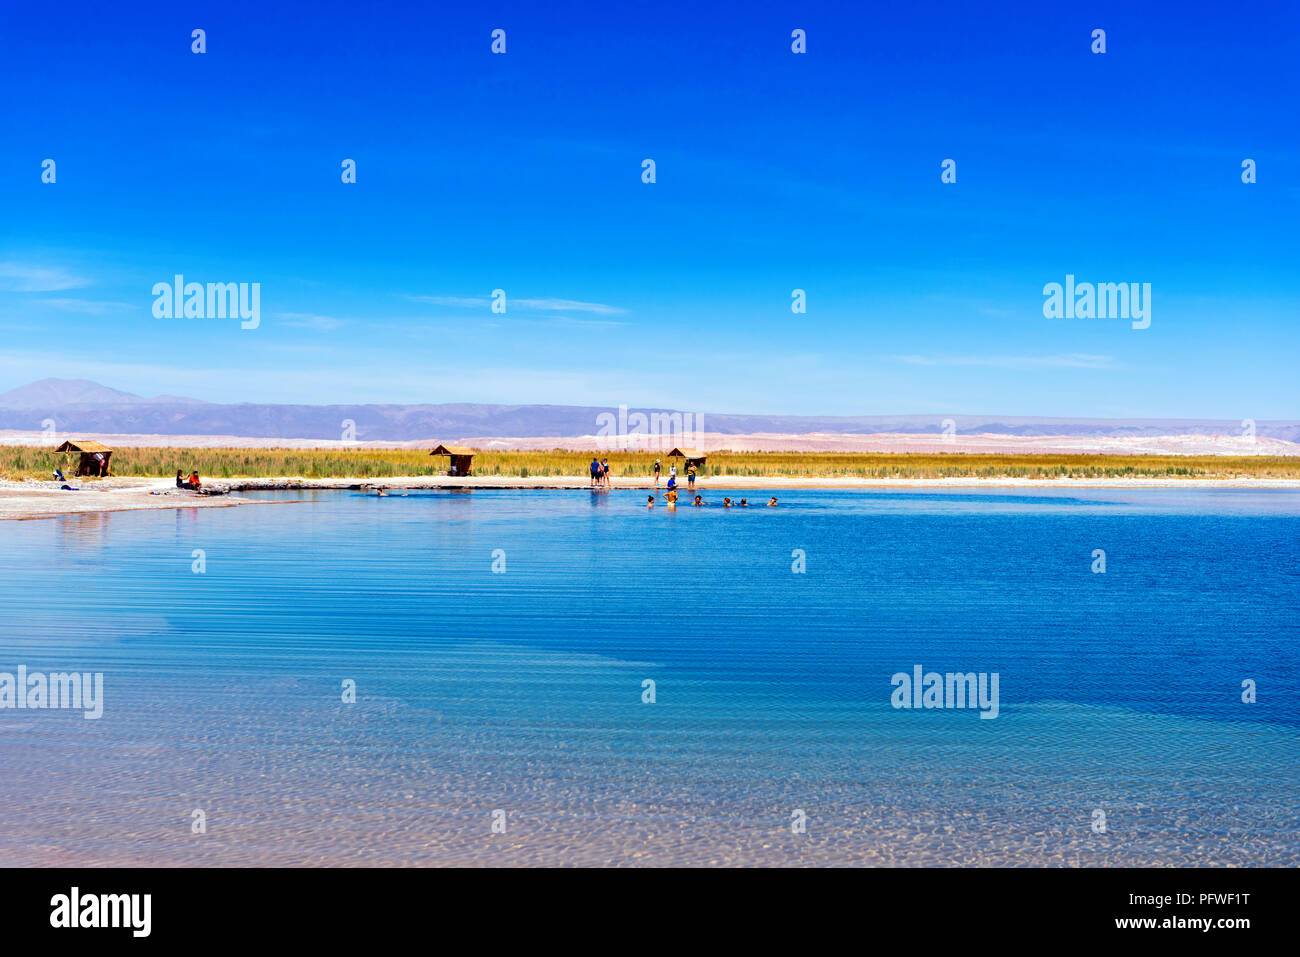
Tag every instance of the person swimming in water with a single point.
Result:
(771, 503)
(671, 496)
(699, 500)
(726, 503)
(744, 503)
(650, 502)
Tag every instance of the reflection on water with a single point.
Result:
(187, 519)
(522, 688)
(82, 532)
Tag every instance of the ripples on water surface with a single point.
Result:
(521, 691)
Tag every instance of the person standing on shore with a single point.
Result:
(690, 477)
(604, 472)
(656, 473)
(595, 472)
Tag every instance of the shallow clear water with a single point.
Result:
(520, 690)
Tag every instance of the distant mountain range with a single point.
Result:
(79, 405)
(78, 393)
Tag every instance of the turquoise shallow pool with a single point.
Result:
(499, 642)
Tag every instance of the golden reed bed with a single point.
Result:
(28, 462)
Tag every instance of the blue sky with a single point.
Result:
(775, 171)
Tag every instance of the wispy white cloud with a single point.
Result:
(567, 305)
(507, 321)
(570, 321)
(449, 300)
(92, 307)
(24, 277)
(1073, 360)
(543, 305)
(309, 320)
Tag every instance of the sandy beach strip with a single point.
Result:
(25, 500)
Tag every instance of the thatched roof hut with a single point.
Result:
(94, 456)
(462, 458)
(692, 456)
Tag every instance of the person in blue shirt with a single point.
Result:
(595, 472)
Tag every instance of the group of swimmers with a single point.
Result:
(670, 499)
(600, 479)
